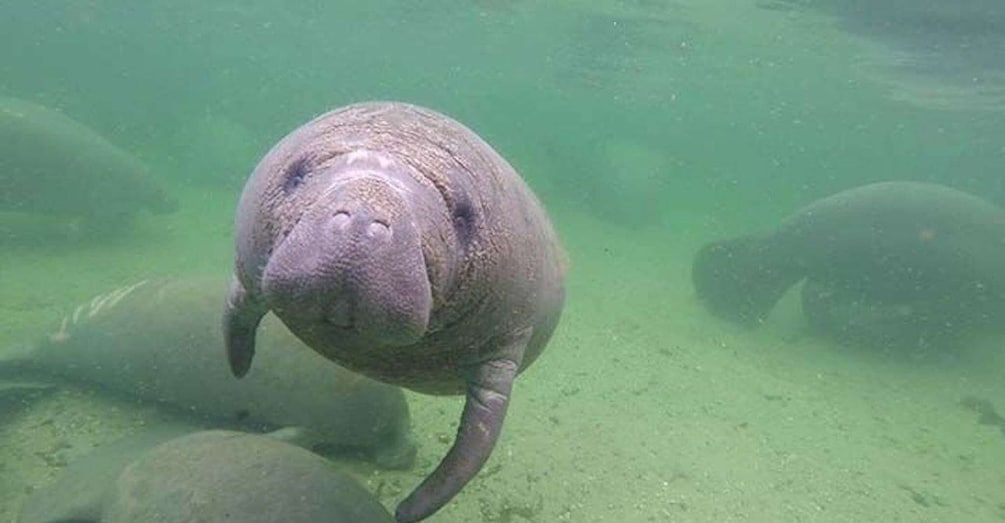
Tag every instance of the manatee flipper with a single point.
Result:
(742, 279)
(240, 321)
(489, 385)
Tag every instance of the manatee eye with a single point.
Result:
(295, 175)
(464, 217)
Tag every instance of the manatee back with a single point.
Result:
(78, 492)
(228, 476)
(901, 241)
(160, 341)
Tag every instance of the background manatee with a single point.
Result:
(889, 256)
(51, 164)
(232, 476)
(159, 341)
(854, 317)
(162, 476)
(396, 242)
(78, 492)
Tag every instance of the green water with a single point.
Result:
(648, 128)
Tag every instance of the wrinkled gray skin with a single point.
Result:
(51, 164)
(168, 476)
(890, 255)
(394, 241)
(158, 341)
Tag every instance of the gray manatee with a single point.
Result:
(852, 316)
(78, 492)
(159, 341)
(165, 475)
(394, 241)
(52, 164)
(892, 258)
(233, 476)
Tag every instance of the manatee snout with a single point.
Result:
(354, 262)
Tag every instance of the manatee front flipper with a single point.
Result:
(240, 321)
(488, 391)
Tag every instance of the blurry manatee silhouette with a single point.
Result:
(165, 475)
(51, 164)
(932, 53)
(160, 341)
(78, 491)
(393, 240)
(852, 316)
(913, 257)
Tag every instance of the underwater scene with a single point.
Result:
(502, 261)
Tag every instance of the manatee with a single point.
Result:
(394, 241)
(888, 256)
(78, 492)
(852, 316)
(162, 476)
(159, 341)
(52, 164)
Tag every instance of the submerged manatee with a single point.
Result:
(232, 476)
(78, 492)
(159, 341)
(51, 164)
(933, 321)
(393, 240)
(888, 256)
(164, 476)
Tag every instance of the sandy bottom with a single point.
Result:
(643, 408)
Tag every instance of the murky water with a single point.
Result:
(648, 129)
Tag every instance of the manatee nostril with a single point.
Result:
(341, 220)
(378, 229)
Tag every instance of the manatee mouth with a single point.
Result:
(340, 315)
(339, 324)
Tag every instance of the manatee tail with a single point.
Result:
(741, 279)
